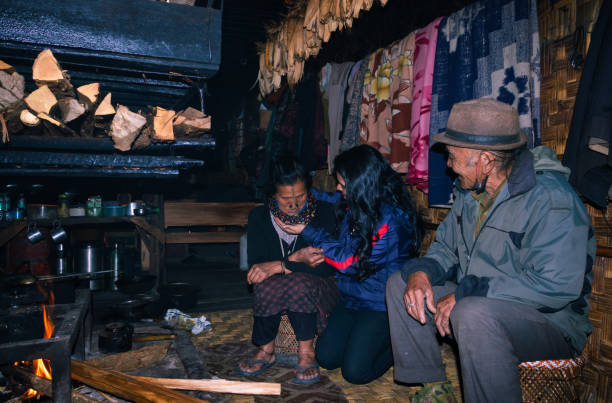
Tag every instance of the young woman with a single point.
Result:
(377, 234)
(287, 273)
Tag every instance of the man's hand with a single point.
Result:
(417, 290)
(309, 255)
(261, 271)
(443, 311)
(294, 229)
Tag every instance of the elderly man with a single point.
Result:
(508, 276)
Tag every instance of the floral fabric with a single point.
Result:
(387, 102)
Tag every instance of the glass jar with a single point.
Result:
(62, 206)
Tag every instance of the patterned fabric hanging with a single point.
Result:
(387, 102)
(487, 49)
(424, 62)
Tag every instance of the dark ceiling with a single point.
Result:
(244, 23)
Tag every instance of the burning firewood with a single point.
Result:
(162, 124)
(125, 127)
(47, 71)
(43, 385)
(191, 122)
(41, 101)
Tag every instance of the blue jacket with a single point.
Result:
(389, 254)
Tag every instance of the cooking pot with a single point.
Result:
(183, 296)
(136, 285)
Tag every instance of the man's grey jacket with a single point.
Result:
(536, 246)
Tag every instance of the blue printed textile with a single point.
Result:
(487, 49)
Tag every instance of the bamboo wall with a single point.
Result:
(559, 88)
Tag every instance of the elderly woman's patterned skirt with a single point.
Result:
(297, 292)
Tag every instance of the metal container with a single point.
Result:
(115, 263)
(89, 260)
(133, 206)
(61, 260)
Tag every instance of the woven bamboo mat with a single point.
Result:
(235, 326)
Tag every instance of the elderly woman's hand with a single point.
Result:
(310, 255)
(294, 229)
(261, 271)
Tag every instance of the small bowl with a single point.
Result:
(113, 211)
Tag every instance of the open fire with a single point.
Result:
(42, 367)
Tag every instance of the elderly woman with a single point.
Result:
(377, 234)
(288, 274)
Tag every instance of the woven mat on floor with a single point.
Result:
(229, 341)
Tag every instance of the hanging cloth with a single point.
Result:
(387, 104)
(424, 62)
(487, 49)
(592, 120)
(350, 135)
(335, 97)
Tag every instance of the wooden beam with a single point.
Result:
(203, 237)
(125, 386)
(604, 251)
(218, 385)
(181, 214)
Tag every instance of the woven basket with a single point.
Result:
(285, 342)
(550, 381)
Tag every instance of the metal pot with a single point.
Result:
(183, 296)
(131, 207)
(89, 260)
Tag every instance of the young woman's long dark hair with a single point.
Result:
(370, 181)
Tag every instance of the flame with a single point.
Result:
(42, 367)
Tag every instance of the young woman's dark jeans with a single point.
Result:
(357, 341)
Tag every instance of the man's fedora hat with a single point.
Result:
(483, 124)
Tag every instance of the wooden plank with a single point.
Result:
(182, 214)
(125, 386)
(203, 237)
(218, 385)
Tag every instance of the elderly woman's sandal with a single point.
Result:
(307, 381)
(265, 364)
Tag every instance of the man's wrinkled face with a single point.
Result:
(291, 198)
(464, 162)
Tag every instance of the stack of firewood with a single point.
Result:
(309, 23)
(56, 108)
